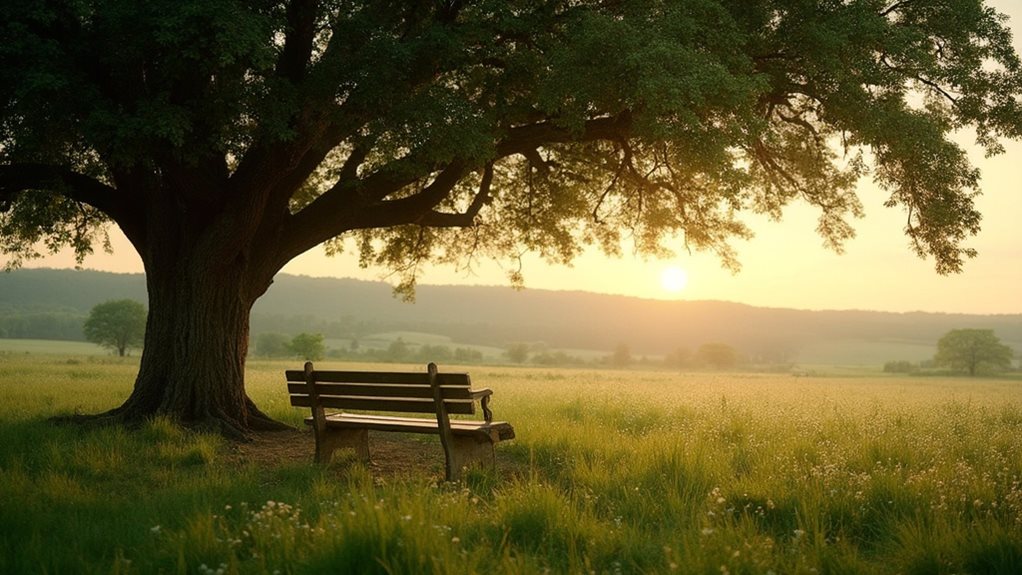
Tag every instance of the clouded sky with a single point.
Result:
(784, 265)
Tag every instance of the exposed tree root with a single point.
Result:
(259, 421)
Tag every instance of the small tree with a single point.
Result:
(900, 366)
(972, 351)
(308, 346)
(434, 353)
(117, 324)
(467, 355)
(398, 350)
(517, 352)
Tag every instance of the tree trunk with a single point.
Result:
(201, 291)
(193, 363)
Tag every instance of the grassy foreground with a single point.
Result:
(612, 472)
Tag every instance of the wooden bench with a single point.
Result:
(441, 394)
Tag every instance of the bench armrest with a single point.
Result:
(483, 395)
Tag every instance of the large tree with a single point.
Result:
(225, 137)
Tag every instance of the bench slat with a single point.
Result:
(410, 405)
(416, 425)
(380, 390)
(398, 377)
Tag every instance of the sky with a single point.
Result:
(785, 265)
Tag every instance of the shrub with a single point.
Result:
(900, 366)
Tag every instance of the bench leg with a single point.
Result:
(469, 450)
(334, 439)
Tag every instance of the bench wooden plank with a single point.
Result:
(398, 404)
(379, 390)
(398, 377)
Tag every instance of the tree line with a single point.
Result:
(63, 325)
(312, 347)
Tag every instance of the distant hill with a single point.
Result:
(496, 316)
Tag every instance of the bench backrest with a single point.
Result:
(402, 392)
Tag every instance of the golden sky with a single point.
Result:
(784, 265)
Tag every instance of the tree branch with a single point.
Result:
(536, 161)
(522, 139)
(301, 23)
(15, 178)
(415, 207)
(894, 8)
(919, 78)
(467, 218)
(358, 204)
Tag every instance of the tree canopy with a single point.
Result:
(538, 126)
(116, 324)
(308, 346)
(972, 351)
(224, 138)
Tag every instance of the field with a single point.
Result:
(611, 472)
(48, 346)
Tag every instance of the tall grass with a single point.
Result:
(611, 472)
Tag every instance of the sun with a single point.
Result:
(673, 279)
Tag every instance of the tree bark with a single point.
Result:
(193, 362)
(201, 291)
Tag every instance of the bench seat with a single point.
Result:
(500, 430)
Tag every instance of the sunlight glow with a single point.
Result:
(674, 279)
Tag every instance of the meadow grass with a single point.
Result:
(50, 346)
(611, 472)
